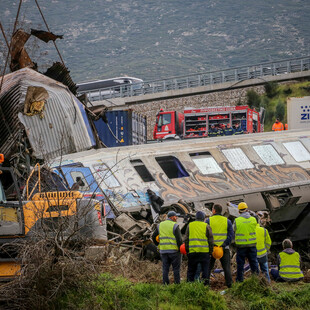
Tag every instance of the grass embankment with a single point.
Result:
(253, 294)
(108, 292)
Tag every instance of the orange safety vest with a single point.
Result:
(286, 127)
(277, 127)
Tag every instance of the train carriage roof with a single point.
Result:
(206, 168)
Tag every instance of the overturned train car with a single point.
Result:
(41, 119)
(268, 171)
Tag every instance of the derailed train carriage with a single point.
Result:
(269, 171)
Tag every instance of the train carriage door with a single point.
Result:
(179, 123)
(255, 122)
(82, 179)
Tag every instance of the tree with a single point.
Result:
(271, 89)
(280, 110)
(265, 102)
(269, 116)
(253, 99)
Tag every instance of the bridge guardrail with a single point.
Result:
(202, 79)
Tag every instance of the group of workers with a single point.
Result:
(208, 239)
(278, 126)
(223, 130)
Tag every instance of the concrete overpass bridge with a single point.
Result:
(202, 83)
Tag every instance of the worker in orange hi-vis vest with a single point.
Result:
(277, 126)
(286, 127)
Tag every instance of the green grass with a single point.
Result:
(108, 292)
(255, 294)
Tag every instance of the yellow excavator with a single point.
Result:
(24, 211)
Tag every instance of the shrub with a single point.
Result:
(280, 110)
(271, 89)
(265, 102)
(253, 99)
(269, 116)
(287, 91)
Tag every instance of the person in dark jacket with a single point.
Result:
(221, 129)
(228, 131)
(198, 244)
(170, 240)
(238, 129)
(288, 262)
(223, 235)
(213, 131)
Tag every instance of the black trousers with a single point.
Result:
(251, 254)
(225, 262)
(193, 260)
(169, 259)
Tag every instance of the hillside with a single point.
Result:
(274, 100)
(157, 39)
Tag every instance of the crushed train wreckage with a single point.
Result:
(43, 122)
(42, 119)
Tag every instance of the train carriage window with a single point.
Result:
(237, 159)
(79, 181)
(172, 167)
(104, 174)
(142, 170)
(297, 150)
(268, 154)
(205, 163)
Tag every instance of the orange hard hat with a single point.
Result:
(182, 249)
(157, 238)
(217, 252)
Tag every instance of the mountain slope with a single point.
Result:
(157, 39)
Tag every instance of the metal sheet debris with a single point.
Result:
(19, 57)
(45, 35)
(63, 130)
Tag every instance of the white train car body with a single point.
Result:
(269, 171)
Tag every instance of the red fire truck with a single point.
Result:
(196, 122)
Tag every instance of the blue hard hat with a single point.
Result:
(172, 213)
(200, 215)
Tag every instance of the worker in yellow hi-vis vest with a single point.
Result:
(245, 239)
(223, 235)
(288, 264)
(263, 245)
(198, 244)
(169, 242)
